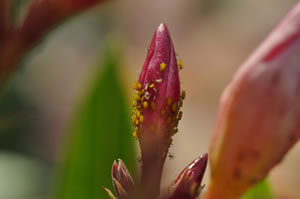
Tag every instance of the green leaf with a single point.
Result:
(100, 133)
(260, 191)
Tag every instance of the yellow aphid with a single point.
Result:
(162, 66)
(175, 130)
(174, 107)
(145, 104)
(163, 112)
(169, 120)
(169, 101)
(141, 118)
(153, 106)
(134, 134)
(138, 113)
(135, 85)
(179, 115)
(139, 85)
(137, 97)
(180, 66)
(134, 103)
(180, 103)
(137, 122)
(151, 86)
(133, 118)
(193, 188)
(183, 94)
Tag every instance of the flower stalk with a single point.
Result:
(156, 108)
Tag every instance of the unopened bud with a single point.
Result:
(122, 180)
(156, 108)
(157, 97)
(188, 183)
(259, 117)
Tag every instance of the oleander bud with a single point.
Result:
(122, 180)
(158, 99)
(156, 108)
(188, 183)
(259, 117)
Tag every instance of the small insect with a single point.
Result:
(201, 188)
(183, 94)
(146, 87)
(179, 63)
(147, 95)
(158, 80)
(139, 160)
(179, 115)
(171, 156)
(151, 85)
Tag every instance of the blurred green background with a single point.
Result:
(62, 117)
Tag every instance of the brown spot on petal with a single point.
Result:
(255, 154)
(237, 175)
(241, 156)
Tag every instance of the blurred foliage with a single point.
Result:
(260, 191)
(18, 9)
(24, 172)
(99, 134)
(18, 130)
(208, 7)
(22, 177)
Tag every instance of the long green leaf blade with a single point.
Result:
(100, 133)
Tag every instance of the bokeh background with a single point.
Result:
(212, 37)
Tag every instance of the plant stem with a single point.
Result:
(153, 159)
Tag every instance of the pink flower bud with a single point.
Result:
(156, 107)
(158, 98)
(188, 183)
(259, 117)
(122, 180)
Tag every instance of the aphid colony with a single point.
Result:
(145, 99)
